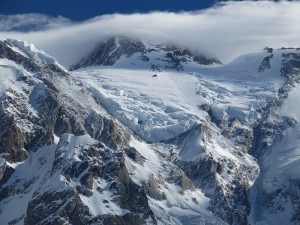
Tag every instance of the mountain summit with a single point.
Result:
(122, 50)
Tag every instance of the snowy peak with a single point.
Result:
(124, 51)
(28, 56)
(110, 51)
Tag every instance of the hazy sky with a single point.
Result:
(225, 30)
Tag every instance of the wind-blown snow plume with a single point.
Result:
(226, 30)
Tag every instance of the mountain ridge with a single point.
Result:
(112, 144)
(108, 53)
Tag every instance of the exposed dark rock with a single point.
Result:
(108, 52)
(5, 173)
(144, 58)
(12, 140)
(182, 54)
(114, 136)
(127, 219)
(15, 221)
(151, 188)
(129, 195)
(205, 107)
(284, 199)
(155, 68)
(107, 131)
(111, 50)
(185, 183)
(268, 132)
(269, 50)
(265, 64)
(70, 209)
(7, 52)
(87, 180)
(202, 172)
(174, 62)
(134, 155)
(83, 190)
(240, 133)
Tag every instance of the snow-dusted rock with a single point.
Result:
(148, 134)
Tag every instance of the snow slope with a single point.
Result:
(156, 108)
(163, 104)
(35, 170)
(279, 178)
(160, 108)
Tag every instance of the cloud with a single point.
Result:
(226, 30)
(32, 22)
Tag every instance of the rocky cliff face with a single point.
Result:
(224, 177)
(82, 148)
(37, 112)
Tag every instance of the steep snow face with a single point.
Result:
(36, 171)
(8, 75)
(284, 158)
(279, 178)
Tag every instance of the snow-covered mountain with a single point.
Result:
(123, 51)
(142, 133)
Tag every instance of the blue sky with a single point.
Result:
(85, 9)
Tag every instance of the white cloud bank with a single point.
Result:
(31, 22)
(225, 30)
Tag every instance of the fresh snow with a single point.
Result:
(237, 90)
(279, 168)
(102, 203)
(36, 170)
(282, 163)
(191, 149)
(71, 145)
